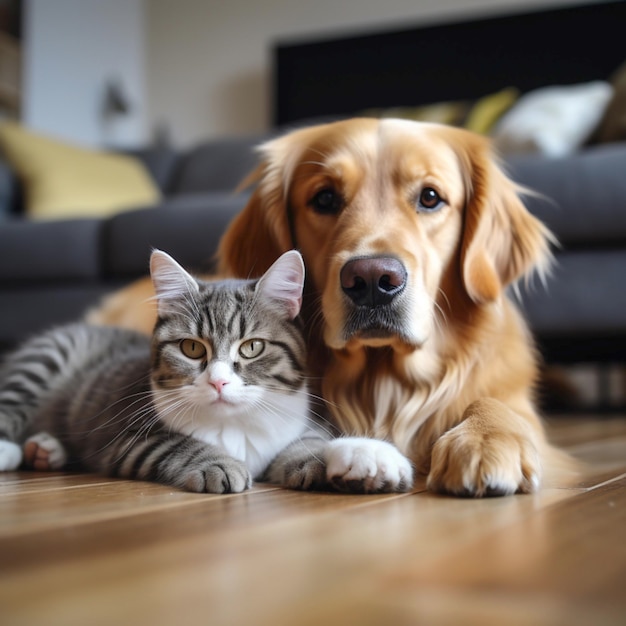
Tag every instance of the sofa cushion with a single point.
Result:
(553, 120)
(46, 251)
(188, 227)
(160, 162)
(585, 295)
(613, 124)
(8, 190)
(62, 180)
(25, 311)
(218, 165)
(585, 193)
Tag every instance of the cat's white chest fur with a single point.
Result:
(252, 434)
(262, 434)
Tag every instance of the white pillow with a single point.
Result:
(553, 120)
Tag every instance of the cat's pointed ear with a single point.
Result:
(171, 281)
(283, 283)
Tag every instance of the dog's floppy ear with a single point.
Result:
(502, 241)
(260, 233)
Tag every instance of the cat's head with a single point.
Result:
(223, 349)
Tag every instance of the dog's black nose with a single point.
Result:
(372, 281)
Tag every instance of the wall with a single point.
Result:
(73, 47)
(198, 68)
(208, 71)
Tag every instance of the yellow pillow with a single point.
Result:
(489, 109)
(479, 116)
(452, 113)
(62, 181)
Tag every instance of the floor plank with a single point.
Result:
(87, 550)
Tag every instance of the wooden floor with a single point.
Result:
(86, 550)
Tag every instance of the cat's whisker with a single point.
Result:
(316, 421)
(315, 398)
(315, 425)
(119, 438)
(120, 416)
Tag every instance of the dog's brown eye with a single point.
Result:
(429, 200)
(327, 202)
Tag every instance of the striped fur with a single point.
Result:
(203, 416)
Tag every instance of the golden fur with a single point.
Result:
(449, 380)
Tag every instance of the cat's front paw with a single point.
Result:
(307, 474)
(44, 452)
(360, 465)
(224, 475)
(10, 456)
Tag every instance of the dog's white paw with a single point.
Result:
(360, 465)
(44, 452)
(10, 456)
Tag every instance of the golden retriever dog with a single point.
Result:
(411, 234)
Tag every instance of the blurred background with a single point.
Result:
(120, 72)
(186, 88)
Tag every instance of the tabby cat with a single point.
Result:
(204, 405)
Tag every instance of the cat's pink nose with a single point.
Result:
(218, 384)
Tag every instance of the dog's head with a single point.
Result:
(392, 218)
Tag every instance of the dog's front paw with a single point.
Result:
(469, 463)
(359, 465)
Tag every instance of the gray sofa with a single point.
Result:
(581, 314)
(51, 272)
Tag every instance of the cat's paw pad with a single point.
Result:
(360, 465)
(45, 453)
(10, 456)
(221, 476)
(465, 463)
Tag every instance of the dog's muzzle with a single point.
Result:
(372, 285)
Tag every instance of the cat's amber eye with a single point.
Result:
(192, 349)
(252, 348)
